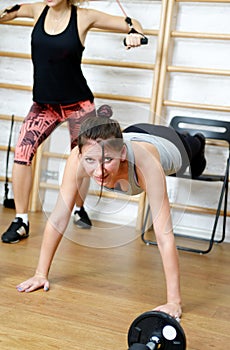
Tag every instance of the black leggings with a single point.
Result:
(189, 146)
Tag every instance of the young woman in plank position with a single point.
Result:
(130, 162)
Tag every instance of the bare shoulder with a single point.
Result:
(74, 155)
(31, 10)
(39, 5)
(86, 16)
(102, 20)
(87, 19)
(74, 170)
(71, 167)
(85, 12)
(38, 8)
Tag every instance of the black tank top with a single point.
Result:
(58, 78)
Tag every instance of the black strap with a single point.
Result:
(144, 40)
(129, 21)
(132, 29)
(12, 9)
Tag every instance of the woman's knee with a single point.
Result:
(24, 155)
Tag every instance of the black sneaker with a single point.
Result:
(198, 163)
(81, 219)
(17, 231)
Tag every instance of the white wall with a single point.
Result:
(203, 89)
(208, 17)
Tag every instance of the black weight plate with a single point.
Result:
(139, 347)
(161, 325)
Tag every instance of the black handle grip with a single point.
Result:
(144, 41)
(12, 9)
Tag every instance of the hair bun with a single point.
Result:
(105, 111)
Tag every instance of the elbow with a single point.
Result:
(164, 237)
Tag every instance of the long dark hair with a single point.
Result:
(103, 130)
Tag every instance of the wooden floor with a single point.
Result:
(98, 289)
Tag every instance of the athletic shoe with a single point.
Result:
(198, 163)
(81, 219)
(17, 231)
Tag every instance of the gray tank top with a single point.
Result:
(170, 158)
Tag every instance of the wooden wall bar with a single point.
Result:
(170, 37)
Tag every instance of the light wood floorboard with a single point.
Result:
(100, 285)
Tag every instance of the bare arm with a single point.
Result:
(105, 21)
(89, 19)
(152, 178)
(32, 11)
(55, 226)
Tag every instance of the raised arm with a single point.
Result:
(32, 10)
(106, 21)
(55, 226)
(100, 20)
(152, 178)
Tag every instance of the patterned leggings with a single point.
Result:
(41, 121)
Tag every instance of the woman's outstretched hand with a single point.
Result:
(132, 40)
(36, 282)
(173, 309)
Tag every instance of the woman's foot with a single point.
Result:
(198, 163)
(17, 231)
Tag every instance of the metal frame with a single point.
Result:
(193, 126)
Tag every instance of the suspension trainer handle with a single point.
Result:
(144, 40)
(12, 9)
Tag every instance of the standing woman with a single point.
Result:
(60, 91)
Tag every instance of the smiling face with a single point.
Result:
(102, 150)
(102, 162)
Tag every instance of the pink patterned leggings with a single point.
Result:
(41, 121)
